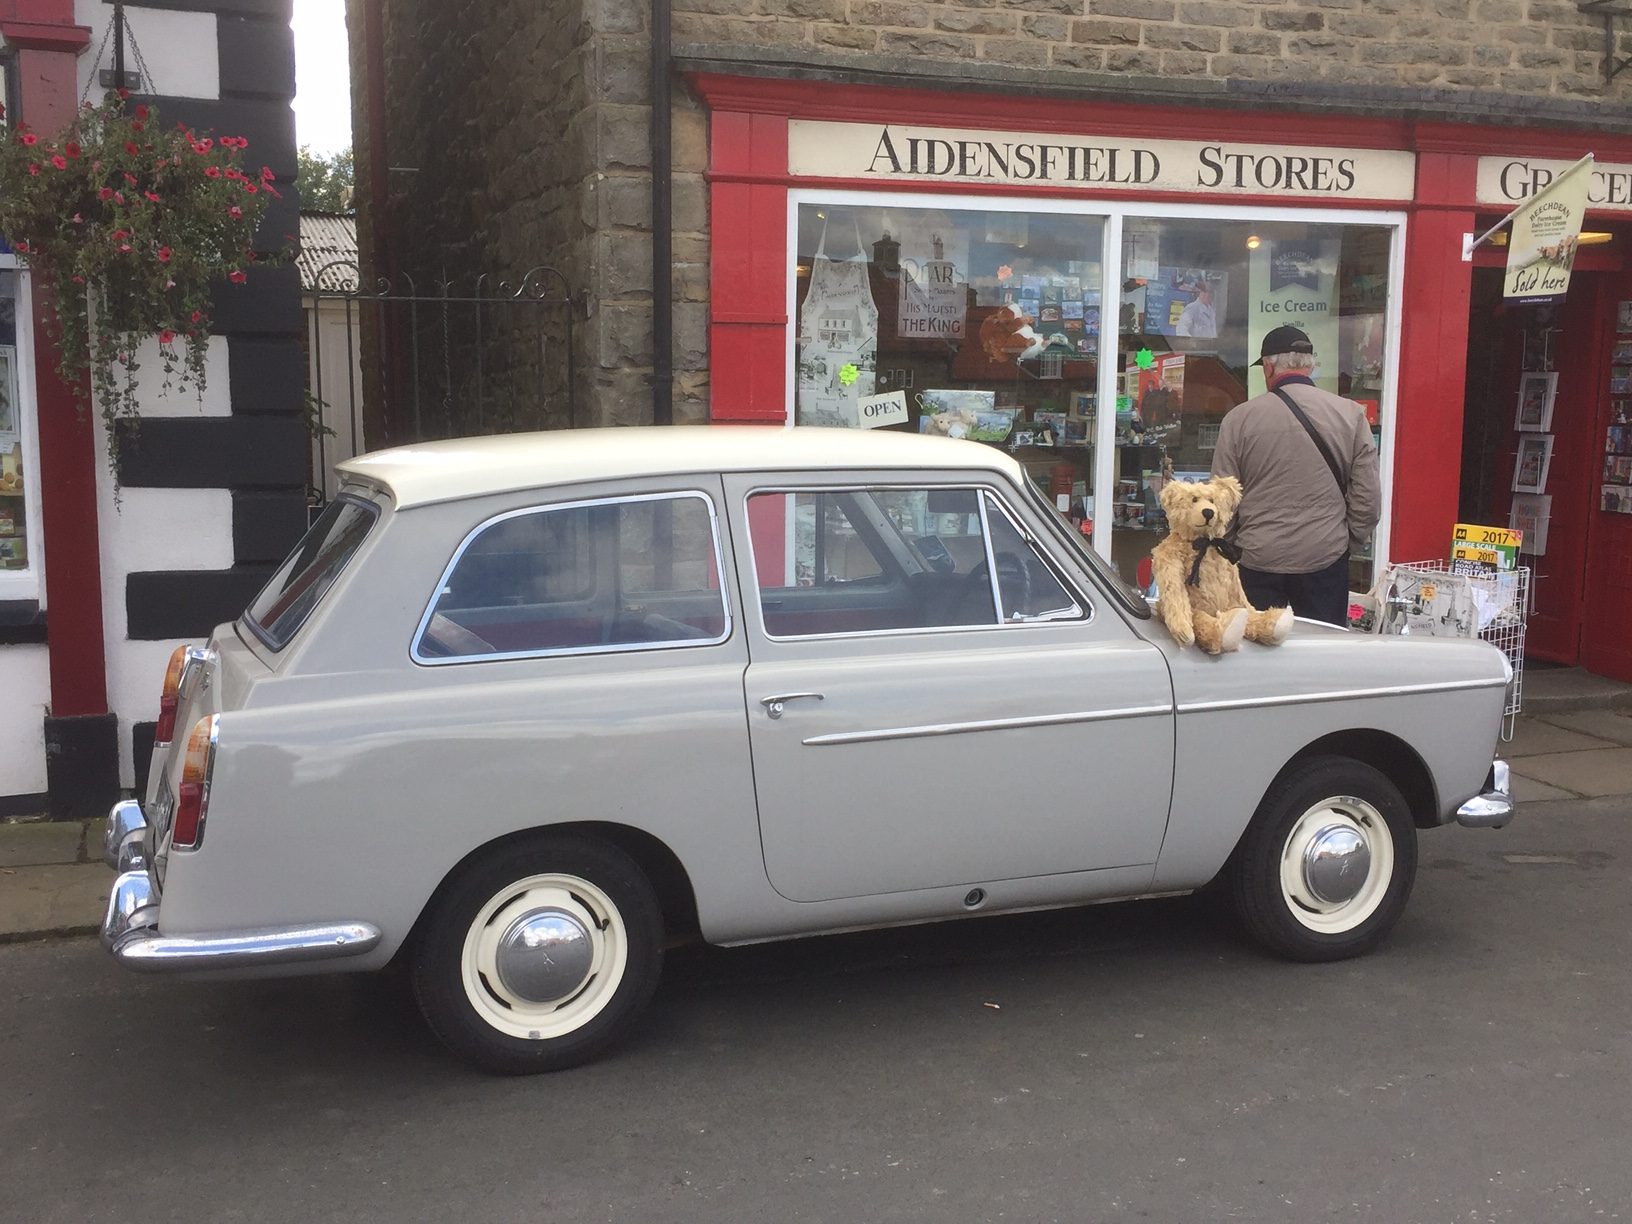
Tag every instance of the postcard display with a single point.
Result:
(1615, 491)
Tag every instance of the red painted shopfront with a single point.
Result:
(1437, 475)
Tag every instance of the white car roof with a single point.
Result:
(429, 472)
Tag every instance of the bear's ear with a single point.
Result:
(1171, 492)
(1229, 493)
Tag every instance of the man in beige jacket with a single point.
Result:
(1308, 471)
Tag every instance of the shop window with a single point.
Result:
(968, 322)
(877, 560)
(614, 575)
(19, 515)
(1197, 298)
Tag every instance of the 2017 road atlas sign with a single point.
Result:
(821, 149)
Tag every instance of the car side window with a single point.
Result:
(872, 560)
(618, 574)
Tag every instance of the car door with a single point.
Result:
(933, 698)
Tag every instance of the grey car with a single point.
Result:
(520, 711)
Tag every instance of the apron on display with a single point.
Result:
(838, 339)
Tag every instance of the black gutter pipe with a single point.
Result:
(662, 222)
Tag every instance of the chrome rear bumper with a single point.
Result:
(130, 928)
(1494, 807)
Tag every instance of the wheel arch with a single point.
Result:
(662, 867)
(1387, 753)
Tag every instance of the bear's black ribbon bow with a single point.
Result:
(1227, 549)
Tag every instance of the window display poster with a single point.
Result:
(934, 283)
(1186, 302)
(1534, 457)
(1536, 392)
(1294, 282)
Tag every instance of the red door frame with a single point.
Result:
(749, 182)
(48, 45)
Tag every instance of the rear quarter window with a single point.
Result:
(304, 578)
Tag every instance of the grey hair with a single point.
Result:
(1293, 361)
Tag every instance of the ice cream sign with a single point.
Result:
(873, 151)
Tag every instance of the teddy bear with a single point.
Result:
(953, 423)
(1199, 594)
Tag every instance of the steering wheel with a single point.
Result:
(1013, 580)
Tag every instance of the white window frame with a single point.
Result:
(29, 583)
(1112, 213)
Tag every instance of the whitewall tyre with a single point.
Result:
(1325, 868)
(539, 956)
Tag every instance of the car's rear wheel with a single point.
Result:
(540, 956)
(1326, 866)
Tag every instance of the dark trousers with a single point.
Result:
(1322, 595)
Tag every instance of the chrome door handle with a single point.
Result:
(773, 705)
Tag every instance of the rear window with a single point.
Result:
(283, 605)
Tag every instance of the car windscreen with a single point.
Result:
(277, 613)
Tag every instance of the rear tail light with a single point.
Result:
(165, 731)
(193, 795)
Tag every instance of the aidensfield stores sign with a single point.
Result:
(820, 149)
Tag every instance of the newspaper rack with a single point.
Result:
(1434, 598)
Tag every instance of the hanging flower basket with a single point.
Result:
(132, 224)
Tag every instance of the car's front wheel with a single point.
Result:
(540, 956)
(1326, 866)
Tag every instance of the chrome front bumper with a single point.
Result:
(130, 929)
(1494, 807)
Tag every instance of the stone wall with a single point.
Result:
(1422, 52)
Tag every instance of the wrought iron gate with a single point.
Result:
(396, 363)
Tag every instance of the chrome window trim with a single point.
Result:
(1088, 613)
(1029, 538)
(609, 648)
(1400, 690)
(986, 724)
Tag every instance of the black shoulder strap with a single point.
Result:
(1320, 442)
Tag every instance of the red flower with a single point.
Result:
(118, 234)
(232, 174)
(130, 178)
(118, 197)
(237, 278)
(141, 110)
(152, 196)
(59, 161)
(122, 92)
(273, 191)
(136, 127)
(197, 315)
(124, 248)
(235, 212)
(250, 188)
(22, 248)
(105, 194)
(72, 149)
(131, 148)
(79, 280)
(267, 176)
(212, 171)
(166, 336)
(203, 146)
(34, 169)
(28, 138)
(164, 254)
(77, 219)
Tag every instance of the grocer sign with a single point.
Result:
(866, 151)
(1506, 181)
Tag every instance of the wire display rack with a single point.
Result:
(1432, 597)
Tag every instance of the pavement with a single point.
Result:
(1572, 740)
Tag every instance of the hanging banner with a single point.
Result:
(934, 291)
(1294, 282)
(1542, 239)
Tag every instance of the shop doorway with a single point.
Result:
(1547, 441)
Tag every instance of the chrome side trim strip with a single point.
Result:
(1401, 690)
(989, 724)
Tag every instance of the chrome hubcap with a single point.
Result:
(544, 955)
(1336, 864)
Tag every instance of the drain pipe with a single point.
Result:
(662, 222)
